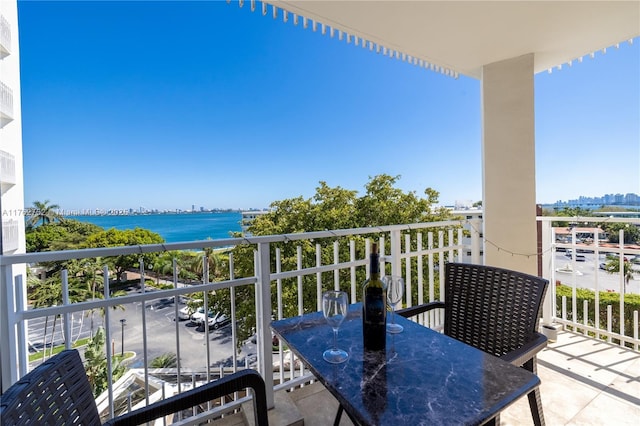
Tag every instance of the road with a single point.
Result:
(161, 336)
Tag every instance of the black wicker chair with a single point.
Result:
(57, 392)
(495, 310)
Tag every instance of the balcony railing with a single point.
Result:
(10, 235)
(7, 170)
(280, 285)
(5, 37)
(6, 104)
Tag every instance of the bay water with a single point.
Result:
(173, 227)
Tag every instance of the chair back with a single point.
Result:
(494, 309)
(56, 392)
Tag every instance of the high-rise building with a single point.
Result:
(11, 180)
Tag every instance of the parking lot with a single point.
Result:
(588, 272)
(162, 330)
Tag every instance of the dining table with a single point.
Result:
(423, 377)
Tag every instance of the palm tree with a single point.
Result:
(613, 267)
(96, 364)
(44, 212)
(49, 293)
(212, 260)
(163, 265)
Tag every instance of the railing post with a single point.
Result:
(476, 247)
(396, 263)
(263, 319)
(9, 356)
(548, 304)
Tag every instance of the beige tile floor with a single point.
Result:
(584, 382)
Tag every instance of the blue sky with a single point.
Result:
(165, 105)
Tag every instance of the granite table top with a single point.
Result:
(423, 377)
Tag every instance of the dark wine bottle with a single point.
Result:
(374, 312)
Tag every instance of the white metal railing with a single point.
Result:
(416, 251)
(595, 318)
(6, 104)
(405, 248)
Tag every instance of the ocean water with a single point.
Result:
(174, 227)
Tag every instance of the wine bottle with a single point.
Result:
(374, 312)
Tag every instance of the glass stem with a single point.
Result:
(335, 339)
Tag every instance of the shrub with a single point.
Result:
(631, 304)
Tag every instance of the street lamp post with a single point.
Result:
(123, 322)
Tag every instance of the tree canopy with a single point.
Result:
(65, 235)
(128, 237)
(381, 203)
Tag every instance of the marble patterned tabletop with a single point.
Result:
(423, 377)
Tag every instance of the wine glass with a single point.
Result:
(395, 288)
(334, 308)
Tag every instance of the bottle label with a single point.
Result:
(374, 312)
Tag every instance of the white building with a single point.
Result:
(248, 217)
(12, 239)
(11, 182)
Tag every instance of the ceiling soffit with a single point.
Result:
(460, 37)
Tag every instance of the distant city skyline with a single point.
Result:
(608, 199)
(613, 199)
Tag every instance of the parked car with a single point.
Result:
(219, 320)
(161, 303)
(579, 257)
(198, 316)
(216, 321)
(185, 313)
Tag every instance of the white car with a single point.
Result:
(185, 313)
(219, 320)
(198, 315)
(216, 321)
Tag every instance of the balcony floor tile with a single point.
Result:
(584, 382)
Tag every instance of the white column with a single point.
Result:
(508, 163)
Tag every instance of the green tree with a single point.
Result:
(613, 267)
(48, 292)
(96, 364)
(570, 212)
(330, 208)
(214, 260)
(120, 238)
(43, 212)
(631, 232)
(69, 234)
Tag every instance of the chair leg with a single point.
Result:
(535, 403)
(536, 407)
(494, 421)
(336, 422)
